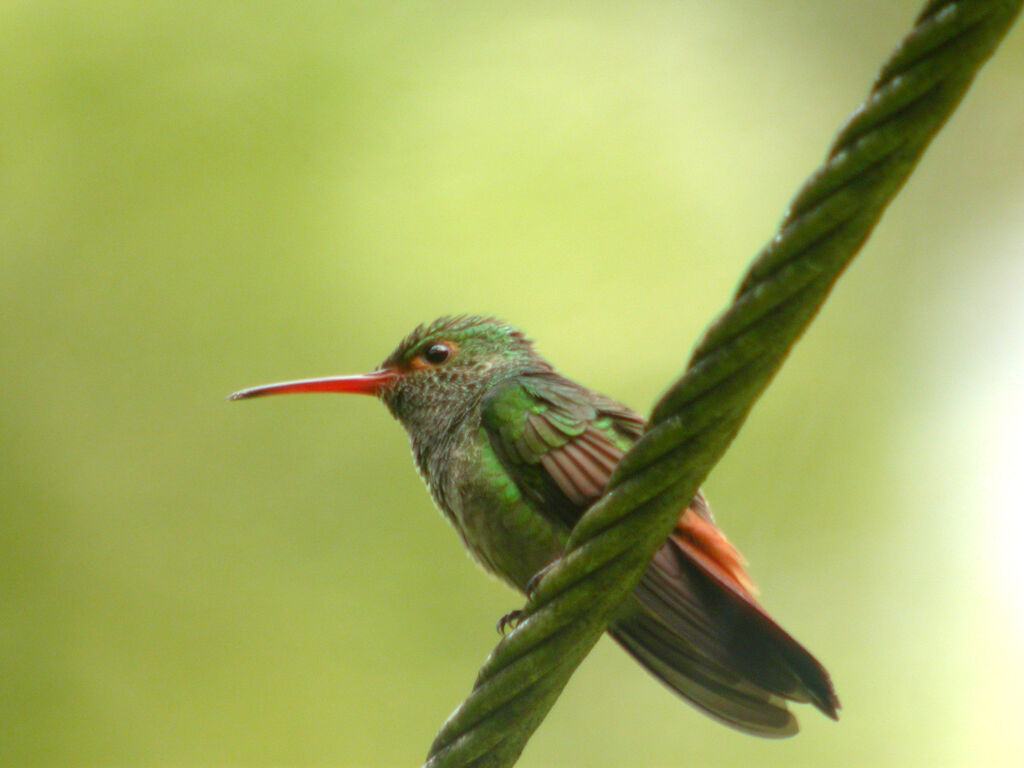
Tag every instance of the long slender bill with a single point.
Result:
(364, 384)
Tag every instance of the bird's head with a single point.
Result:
(438, 372)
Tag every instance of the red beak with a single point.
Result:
(366, 384)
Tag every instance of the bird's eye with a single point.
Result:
(437, 354)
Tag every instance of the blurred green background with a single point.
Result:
(197, 197)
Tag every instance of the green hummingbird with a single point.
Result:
(514, 453)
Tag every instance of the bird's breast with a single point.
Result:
(499, 527)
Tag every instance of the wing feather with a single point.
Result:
(553, 467)
(532, 443)
(552, 436)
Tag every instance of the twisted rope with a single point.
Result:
(696, 420)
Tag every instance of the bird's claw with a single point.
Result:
(534, 582)
(510, 621)
(513, 619)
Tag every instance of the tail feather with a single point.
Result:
(712, 689)
(696, 625)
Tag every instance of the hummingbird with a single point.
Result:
(513, 453)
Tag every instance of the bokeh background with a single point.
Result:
(197, 197)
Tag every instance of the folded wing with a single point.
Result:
(696, 623)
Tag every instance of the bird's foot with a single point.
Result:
(513, 619)
(531, 585)
(510, 621)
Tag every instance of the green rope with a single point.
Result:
(699, 416)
